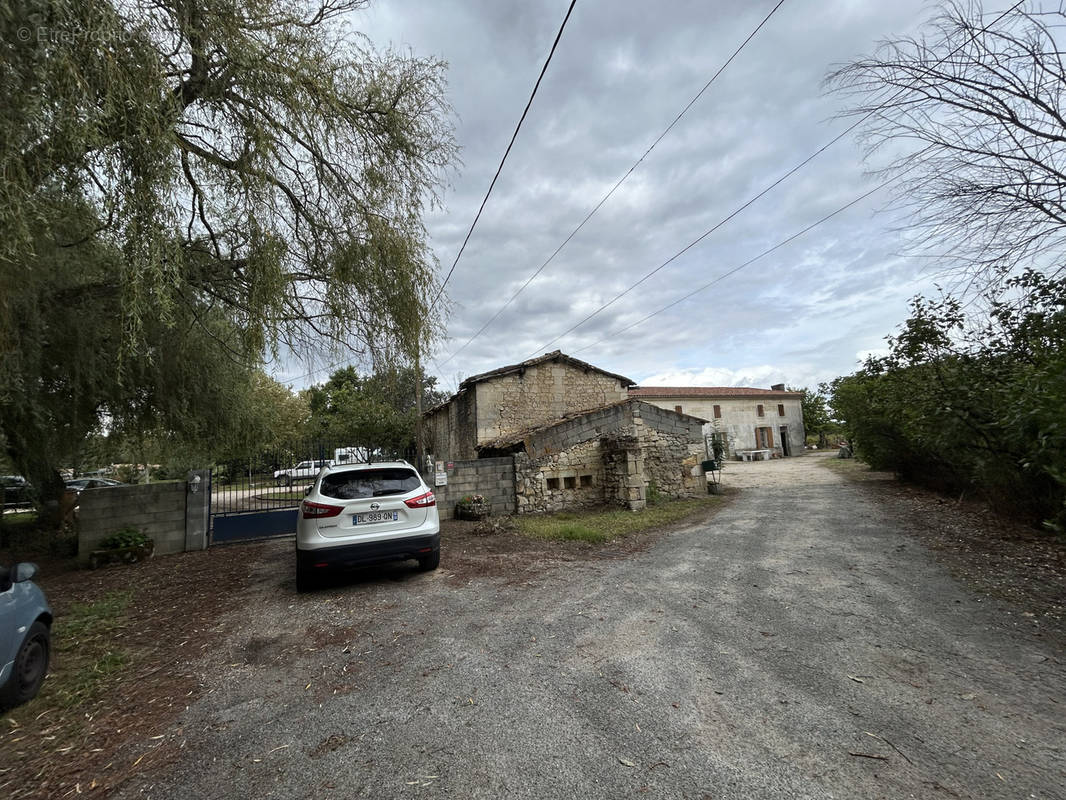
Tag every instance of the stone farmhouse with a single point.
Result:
(752, 422)
(555, 432)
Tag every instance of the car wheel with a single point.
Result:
(31, 665)
(429, 562)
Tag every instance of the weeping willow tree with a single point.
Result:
(190, 186)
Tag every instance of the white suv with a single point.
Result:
(365, 514)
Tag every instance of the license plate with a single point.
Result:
(375, 516)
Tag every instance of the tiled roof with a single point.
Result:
(706, 391)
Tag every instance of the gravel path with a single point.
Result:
(797, 645)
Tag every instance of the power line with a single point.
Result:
(620, 181)
(734, 213)
(747, 263)
(784, 177)
(705, 234)
(499, 169)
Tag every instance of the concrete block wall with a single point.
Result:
(577, 431)
(669, 421)
(157, 509)
(494, 478)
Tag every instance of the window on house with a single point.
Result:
(759, 410)
(553, 483)
(570, 482)
(586, 481)
(717, 412)
(677, 409)
(780, 409)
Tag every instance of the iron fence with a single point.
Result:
(278, 479)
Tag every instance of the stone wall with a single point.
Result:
(623, 469)
(672, 463)
(542, 394)
(572, 432)
(494, 478)
(672, 447)
(156, 509)
(609, 456)
(560, 481)
(451, 429)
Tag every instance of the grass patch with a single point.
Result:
(85, 649)
(284, 496)
(602, 525)
(19, 520)
(855, 469)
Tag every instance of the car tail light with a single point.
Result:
(319, 510)
(422, 501)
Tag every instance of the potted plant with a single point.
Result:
(126, 546)
(472, 506)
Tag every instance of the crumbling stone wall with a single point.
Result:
(672, 463)
(610, 456)
(672, 448)
(542, 394)
(560, 481)
(623, 469)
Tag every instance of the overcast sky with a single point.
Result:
(623, 70)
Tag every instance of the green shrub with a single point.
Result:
(127, 537)
(966, 408)
(652, 495)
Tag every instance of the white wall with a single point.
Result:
(740, 418)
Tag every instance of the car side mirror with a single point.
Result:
(24, 572)
(307, 491)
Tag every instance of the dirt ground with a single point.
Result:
(828, 633)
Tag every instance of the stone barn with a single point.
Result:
(573, 435)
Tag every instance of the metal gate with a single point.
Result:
(258, 498)
(251, 507)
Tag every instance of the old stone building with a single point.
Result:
(767, 422)
(573, 434)
(493, 405)
(616, 454)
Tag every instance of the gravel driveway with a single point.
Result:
(796, 645)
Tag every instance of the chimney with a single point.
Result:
(777, 387)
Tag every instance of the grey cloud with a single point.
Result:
(622, 72)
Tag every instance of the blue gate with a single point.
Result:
(253, 506)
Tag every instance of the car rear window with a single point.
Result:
(369, 483)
